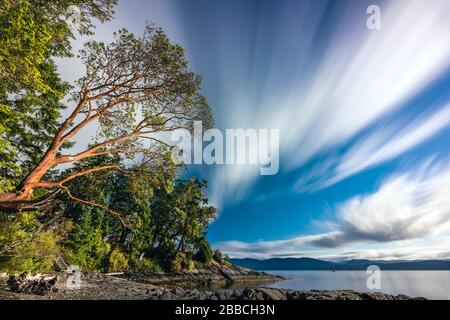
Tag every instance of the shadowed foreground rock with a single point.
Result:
(283, 294)
(266, 294)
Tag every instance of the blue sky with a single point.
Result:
(363, 116)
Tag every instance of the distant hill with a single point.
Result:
(316, 264)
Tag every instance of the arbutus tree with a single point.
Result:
(135, 89)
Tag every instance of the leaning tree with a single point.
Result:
(134, 90)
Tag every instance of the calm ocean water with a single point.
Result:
(428, 284)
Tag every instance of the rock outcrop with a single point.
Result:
(202, 278)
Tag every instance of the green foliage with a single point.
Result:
(24, 246)
(181, 262)
(86, 246)
(32, 34)
(181, 218)
(167, 223)
(25, 44)
(33, 31)
(139, 263)
(198, 265)
(117, 261)
(217, 256)
(36, 255)
(205, 253)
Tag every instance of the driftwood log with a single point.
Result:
(26, 284)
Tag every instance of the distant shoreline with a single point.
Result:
(310, 264)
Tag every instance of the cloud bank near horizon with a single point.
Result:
(407, 211)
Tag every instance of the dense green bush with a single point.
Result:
(205, 253)
(86, 246)
(140, 263)
(198, 265)
(117, 261)
(182, 262)
(25, 247)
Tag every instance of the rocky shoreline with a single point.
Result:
(180, 286)
(216, 277)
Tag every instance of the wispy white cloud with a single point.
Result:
(406, 208)
(383, 145)
(380, 146)
(368, 74)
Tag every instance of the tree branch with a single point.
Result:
(117, 214)
(82, 173)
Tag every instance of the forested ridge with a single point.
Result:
(121, 202)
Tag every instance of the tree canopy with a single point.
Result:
(32, 34)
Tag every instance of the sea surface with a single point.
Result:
(427, 284)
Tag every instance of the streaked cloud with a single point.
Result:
(406, 208)
(380, 146)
